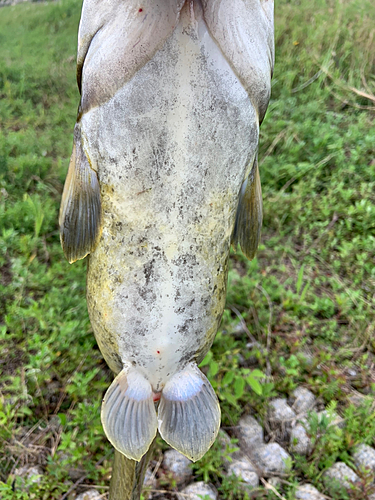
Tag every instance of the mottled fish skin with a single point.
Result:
(173, 93)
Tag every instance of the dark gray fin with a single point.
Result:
(128, 414)
(189, 413)
(80, 211)
(249, 214)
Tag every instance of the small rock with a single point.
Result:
(304, 400)
(244, 470)
(198, 491)
(280, 413)
(339, 476)
(249, 433)
(271, 459)
(335, 420)
(32, 474)
(299, 440)
(178, 465)
(364, 457)
(308, 492)
(89, 495)
(226, 445)
(357, 399)
(223, 438)
(275, 482)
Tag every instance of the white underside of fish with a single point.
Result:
(171, 148)
(171, 161)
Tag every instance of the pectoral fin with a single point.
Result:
(80, 212)
(249, 214)
(128, 414)
(189, 413)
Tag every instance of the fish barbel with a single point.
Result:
(163, 178)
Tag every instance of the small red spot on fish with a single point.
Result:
(140, 10)
(157, 352)
(156, 397)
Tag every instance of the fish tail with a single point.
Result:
(189, 413)
(128, 414)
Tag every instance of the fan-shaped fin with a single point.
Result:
(189, 413)
(80, 212)
(128, 414)
(249, 214)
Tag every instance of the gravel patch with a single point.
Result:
(271, 459)
(89, 495)
(178, 465)
(250, 434)
(299, 440)
(335, 420)
(197, 491)
(245, 471)
(280, 413)
(304, 400)
(275, 482)
(225, 445)
(339, 476)
(32, 474)
(357, 399)
(364, 458)
(308, 492)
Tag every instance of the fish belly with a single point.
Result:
(172, 148)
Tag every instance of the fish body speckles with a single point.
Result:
(171, 134)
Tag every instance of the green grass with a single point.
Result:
(307, 299)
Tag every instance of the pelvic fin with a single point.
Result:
(249, 214)
(189, 413)
(128, 414)
(80, 212)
